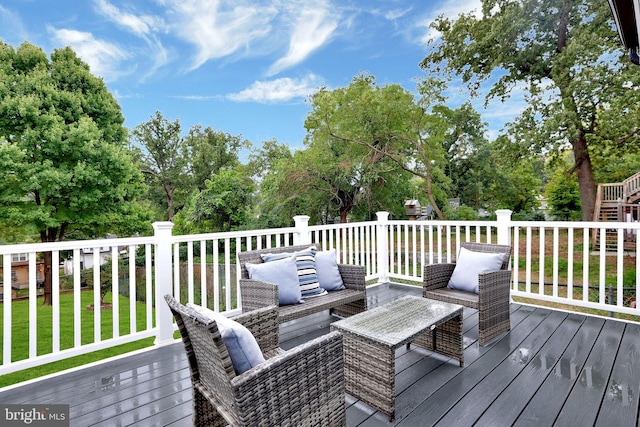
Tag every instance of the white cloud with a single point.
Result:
(143, 26)
(200, 97)
(394, 14)
(219, 28)
(279, 90)
(104, 58)
(312, 28)
(139, 25)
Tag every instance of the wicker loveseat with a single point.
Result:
(492, 299)
(256, 294)
(303, 386)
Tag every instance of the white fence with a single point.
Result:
(201, 269)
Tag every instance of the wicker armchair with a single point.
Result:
(256, 294)
(492, 299)
(303, 386)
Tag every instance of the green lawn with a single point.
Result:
(20, 330)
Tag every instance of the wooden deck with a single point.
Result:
(553, 368)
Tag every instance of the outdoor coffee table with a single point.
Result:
(371, 338)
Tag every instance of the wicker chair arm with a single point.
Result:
(264, 325)
(494, 286)
(257, 294)
(306, 381)
(436, 276)
(352, 276)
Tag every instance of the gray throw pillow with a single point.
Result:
(327, 269)
(242, 346)
(284, 273)
(469, 264)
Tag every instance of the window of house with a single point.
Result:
(19, 257)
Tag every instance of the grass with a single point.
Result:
(20, 331)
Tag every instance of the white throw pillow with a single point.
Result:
(242, 346)
(469, 264)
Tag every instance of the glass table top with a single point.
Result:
(397, 322)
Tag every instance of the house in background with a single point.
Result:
(20, 273)
(87, 257)
(87, 260)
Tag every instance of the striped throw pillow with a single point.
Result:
(307, 274)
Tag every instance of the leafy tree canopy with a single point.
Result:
(561, 191)
(381, 131)
(567, 56)
(223, 205)
(164, 159)
(66, 168)
(177, 165)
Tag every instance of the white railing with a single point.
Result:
(559, 256)
(201, 269)
(31, 337)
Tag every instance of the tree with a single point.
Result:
(566, 54)
(468, 155)
(320, 183)
(342, 172)
(223, 205)
(178, 165)
(394, 126)
(208, 151)
(515, 179)
(66, 168)
(267, 165)
(165, 160)
(562, 192)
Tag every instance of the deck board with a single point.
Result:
(544, 406)
(475, 369)
(582, 406)
(552, 367)
(621, 400)
(509, 404)
(470, 407)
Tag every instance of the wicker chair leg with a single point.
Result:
(487, 332)
(204, 414)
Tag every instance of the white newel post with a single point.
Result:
(382, 235)
(301, 236)
(164, 285)
(503, 221)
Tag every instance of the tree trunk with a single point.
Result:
(432, 199)
(586, 181)
(346, 204)
(170, 209)
(48, 279)
(50, 235)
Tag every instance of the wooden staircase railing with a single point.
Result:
(613, 201)
(631, 192)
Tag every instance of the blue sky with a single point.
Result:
(241, 67)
